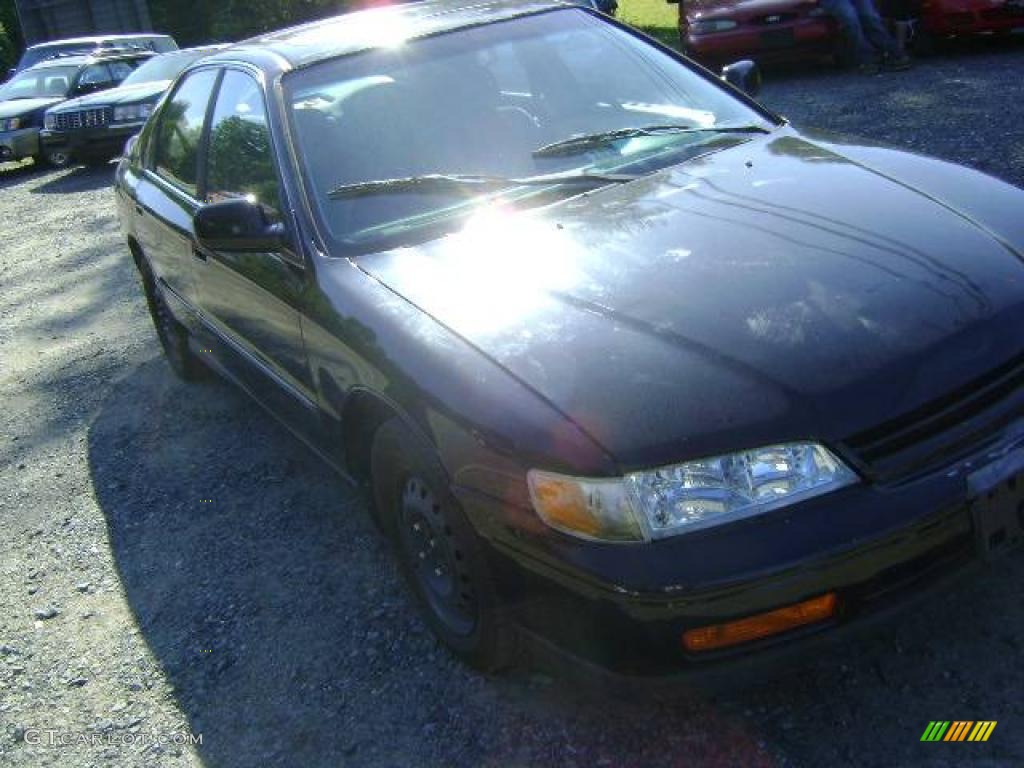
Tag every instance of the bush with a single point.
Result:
(8, 53)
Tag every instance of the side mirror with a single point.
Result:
(239, 224)
(744, 75)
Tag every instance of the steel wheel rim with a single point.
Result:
(438, 564)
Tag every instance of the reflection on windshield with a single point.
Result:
(479, 102)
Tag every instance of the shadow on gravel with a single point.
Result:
(951, 52)
(272, 607)
(16, 173)
(82, 179)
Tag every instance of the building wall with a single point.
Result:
(43, 20)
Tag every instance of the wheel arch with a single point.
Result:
(363, 412)
(136, 251)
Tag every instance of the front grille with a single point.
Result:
(945, 429)
(83, 118)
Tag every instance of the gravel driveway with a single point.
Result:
(174, 564)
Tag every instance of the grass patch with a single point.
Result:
(655, 17)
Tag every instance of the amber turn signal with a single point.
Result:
(762, 625)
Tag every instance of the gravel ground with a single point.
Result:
(173, 562)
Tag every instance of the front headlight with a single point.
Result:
(11, 124)
(50, 121)
(705, 27)
(685, 497)
(130, 112)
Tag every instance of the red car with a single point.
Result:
(718, 31)
(955, 18)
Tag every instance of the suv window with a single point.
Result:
(119, 70)
(95, 74)
(180, 129)
(240, 161)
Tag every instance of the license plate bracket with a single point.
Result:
(996, 493)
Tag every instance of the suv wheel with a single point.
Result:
(438, 550)
(57, 158)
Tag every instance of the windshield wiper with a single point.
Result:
(432, 182)
(583, 142)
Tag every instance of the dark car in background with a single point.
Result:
(95, 127)
(25, 98)
(626, 363)
(148, 41)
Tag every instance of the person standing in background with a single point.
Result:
(864, 30)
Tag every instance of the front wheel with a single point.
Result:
(172, 334)
(438, 551)
(56, 158)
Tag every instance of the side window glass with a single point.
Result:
(180, 129)
(94, 75)
(119, 70)
(240, 161)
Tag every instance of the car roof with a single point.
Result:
(92, 39)
(78, 60)
(365, 29)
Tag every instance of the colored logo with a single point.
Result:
(959, 730)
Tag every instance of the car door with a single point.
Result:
(252, 300)
(167, 192)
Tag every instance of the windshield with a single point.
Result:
(43, 83)
(34, 55)
(165, 67)
(483, 101)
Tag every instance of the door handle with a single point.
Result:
(198, 253)
(138, 209)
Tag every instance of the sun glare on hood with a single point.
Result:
(500, 267)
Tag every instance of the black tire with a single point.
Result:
(57, 158)
(438, 551)
(172, 334)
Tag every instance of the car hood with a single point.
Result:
(16, 107)
(771, 291)
(130, 94)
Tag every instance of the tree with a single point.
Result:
(10, 35)
(230, 20)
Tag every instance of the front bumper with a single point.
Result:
(803, 37)
(19, 144)
(105, 140)
(624, 608)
